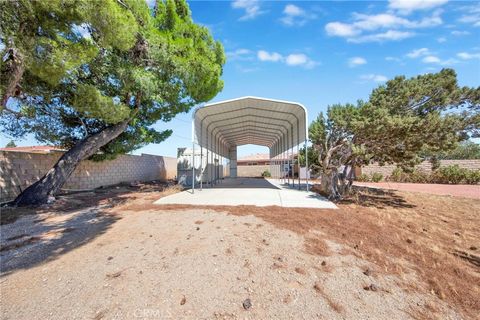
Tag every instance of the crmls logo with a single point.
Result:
(152, 314)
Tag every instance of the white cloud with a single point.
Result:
(294, 59)
(356, 61)
(431, 59)
(441, 39)
(468, 56)
(387, 20)
(293, 10)
(418, 53)
(295, 16)
(300, 59)
(393, 59)
(239, 54)
(368, 28)
(373, 77)
(472, 15)
(251, 7)
(458, 33)
(390, 35)
(340, 29)
(267, 56)
(407, 6)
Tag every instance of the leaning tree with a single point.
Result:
(401, 119)
(94, 76)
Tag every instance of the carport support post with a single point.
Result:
(201, 164)
(283, 160)
(212, 165)
(298, 165)
(306, 161)
(292, 160)
(193, 167)
(201, 167)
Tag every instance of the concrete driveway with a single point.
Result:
(250, 192)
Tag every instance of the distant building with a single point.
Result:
(255, 164)
(260, 159)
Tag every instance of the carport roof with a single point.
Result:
(279, 125)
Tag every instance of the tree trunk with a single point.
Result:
(329, 185)
(51, 182)
(16, 73)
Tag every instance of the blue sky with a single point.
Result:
(324, 52)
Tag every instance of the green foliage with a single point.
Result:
(363, 178)
(11, 144)
(413, 176)
(463, 151)
(374, 177)
(453, 174)
(313, 156)
(472, 177)
(266, 174)
(90, 103)
(377, 177)
(400, 119)
(88, 65)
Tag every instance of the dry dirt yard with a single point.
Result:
(112, 254)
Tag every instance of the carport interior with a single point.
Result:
(219, 128)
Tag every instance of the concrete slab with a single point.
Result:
(249, 192)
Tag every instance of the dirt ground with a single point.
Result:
(112, 254)
(456, 190)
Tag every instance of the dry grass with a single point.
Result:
(316, 246)
(398, 231)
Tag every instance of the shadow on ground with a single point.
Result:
(47, 232)
(378, 198)
(373, 197)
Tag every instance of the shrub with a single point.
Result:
(416, 176)
(448, 175)
(473, 177)
(419, 176)
(363, 178)
(398, 176)
(266, 174)
(377, 177)
(451, 174)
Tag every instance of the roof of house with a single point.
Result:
(255, 157)
(34, 149)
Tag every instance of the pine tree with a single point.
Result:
(94, 76)
(401, 120)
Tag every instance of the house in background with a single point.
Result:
(255, 164)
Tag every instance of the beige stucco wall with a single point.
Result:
(18, 170)
(425, 166)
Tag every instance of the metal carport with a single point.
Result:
(218, 128)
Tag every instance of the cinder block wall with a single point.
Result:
(425, 166)
(18, 170)
(252, 171)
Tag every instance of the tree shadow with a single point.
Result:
(45, 233)
(377, 198)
